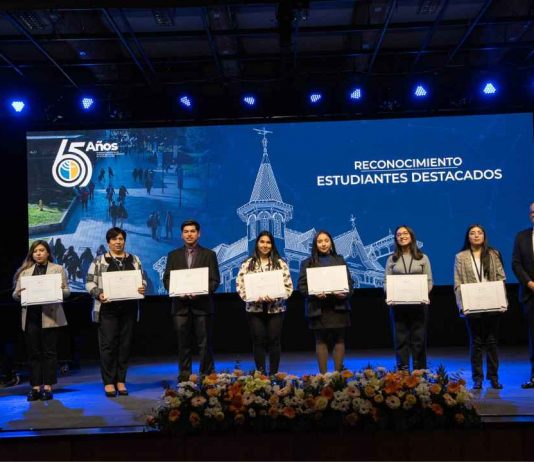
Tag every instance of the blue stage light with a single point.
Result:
(87, 102)
(249, 100)
(18, 105)
(489, 88)
(356, 94)
(315, 97)
(186, 101)
(420, 91)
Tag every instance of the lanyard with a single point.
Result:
(478, 271)
(409, 270)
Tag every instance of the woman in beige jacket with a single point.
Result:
(478, 262)
(40, 322)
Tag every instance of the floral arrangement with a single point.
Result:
(371, 398)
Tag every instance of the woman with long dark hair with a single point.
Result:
(328, 315)
(478, 262)
(408, 322)
(40, 322)
(265, 315)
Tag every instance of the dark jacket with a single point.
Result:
(313, 304)
(523, 267)
(201, 304)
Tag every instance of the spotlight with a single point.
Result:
(420, 91)
(489, 88)
(18, 105)
(355, 94)
(315, 98)
(185, 101)
(249, 100)
(87, 102)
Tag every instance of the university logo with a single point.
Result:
(72, 167)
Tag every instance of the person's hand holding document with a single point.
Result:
(324, 280)
(265, 286)
(483, 297)
(189, 282)
(407, 289)
(122, 285)
(41, 290)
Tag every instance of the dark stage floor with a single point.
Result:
(80, 405)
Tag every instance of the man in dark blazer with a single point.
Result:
(192, 315)
(523, 267)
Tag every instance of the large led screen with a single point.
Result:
(357, 179)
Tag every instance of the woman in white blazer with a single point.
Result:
(40, 322)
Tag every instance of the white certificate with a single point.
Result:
(122, 285)
(407, 289)
(264, 284)
(194, 281)
(41, 290)
(484, 296)
(327, 279)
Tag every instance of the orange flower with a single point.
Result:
(194, 419)
(369, 391)
(212, 392)
(193, 378)
(369, 373)
(288, 412)
(211, 379)
(238, 372)
(411, 381)
(392, 386)
(174, 415)
(327, 392)
(273, 412)
(435, 389)
(170, 392)
(460, 418)
(280, 375)
(454, 387)
(346, 374)
(437, 409)
(274, 400)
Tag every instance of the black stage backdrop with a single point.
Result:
(370, 321)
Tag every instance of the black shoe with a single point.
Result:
(110, 394)
(34, 395)
(529, 384)
(122, 392)
(477, 384)
(495, 384)
(46, 395)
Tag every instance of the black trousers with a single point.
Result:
(266, 332)
(115, 334)
(41, 346)
(408, 324)
(194, 330)
(483, 332)
(529, 315)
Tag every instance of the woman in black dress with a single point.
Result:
(328, 314)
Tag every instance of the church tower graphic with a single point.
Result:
(266, 210)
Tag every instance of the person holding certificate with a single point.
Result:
(40, 321)
(265, 314)
(476, 263)
(115, 315)
(328, 314)
(193, 313)
(408, 321)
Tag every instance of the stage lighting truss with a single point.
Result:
(18, 106)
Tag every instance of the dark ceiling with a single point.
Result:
(122, 50)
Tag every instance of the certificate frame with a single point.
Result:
(407, 289)
(51, 289)
(264, 284)
(122, 285)
(192, 281)
(484, 297)
(327, 279)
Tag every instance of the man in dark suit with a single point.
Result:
(192, 315)
(523, 267)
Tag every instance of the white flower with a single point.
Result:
(393, 402)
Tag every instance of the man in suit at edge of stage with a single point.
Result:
(523, 267)
(193, 314)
